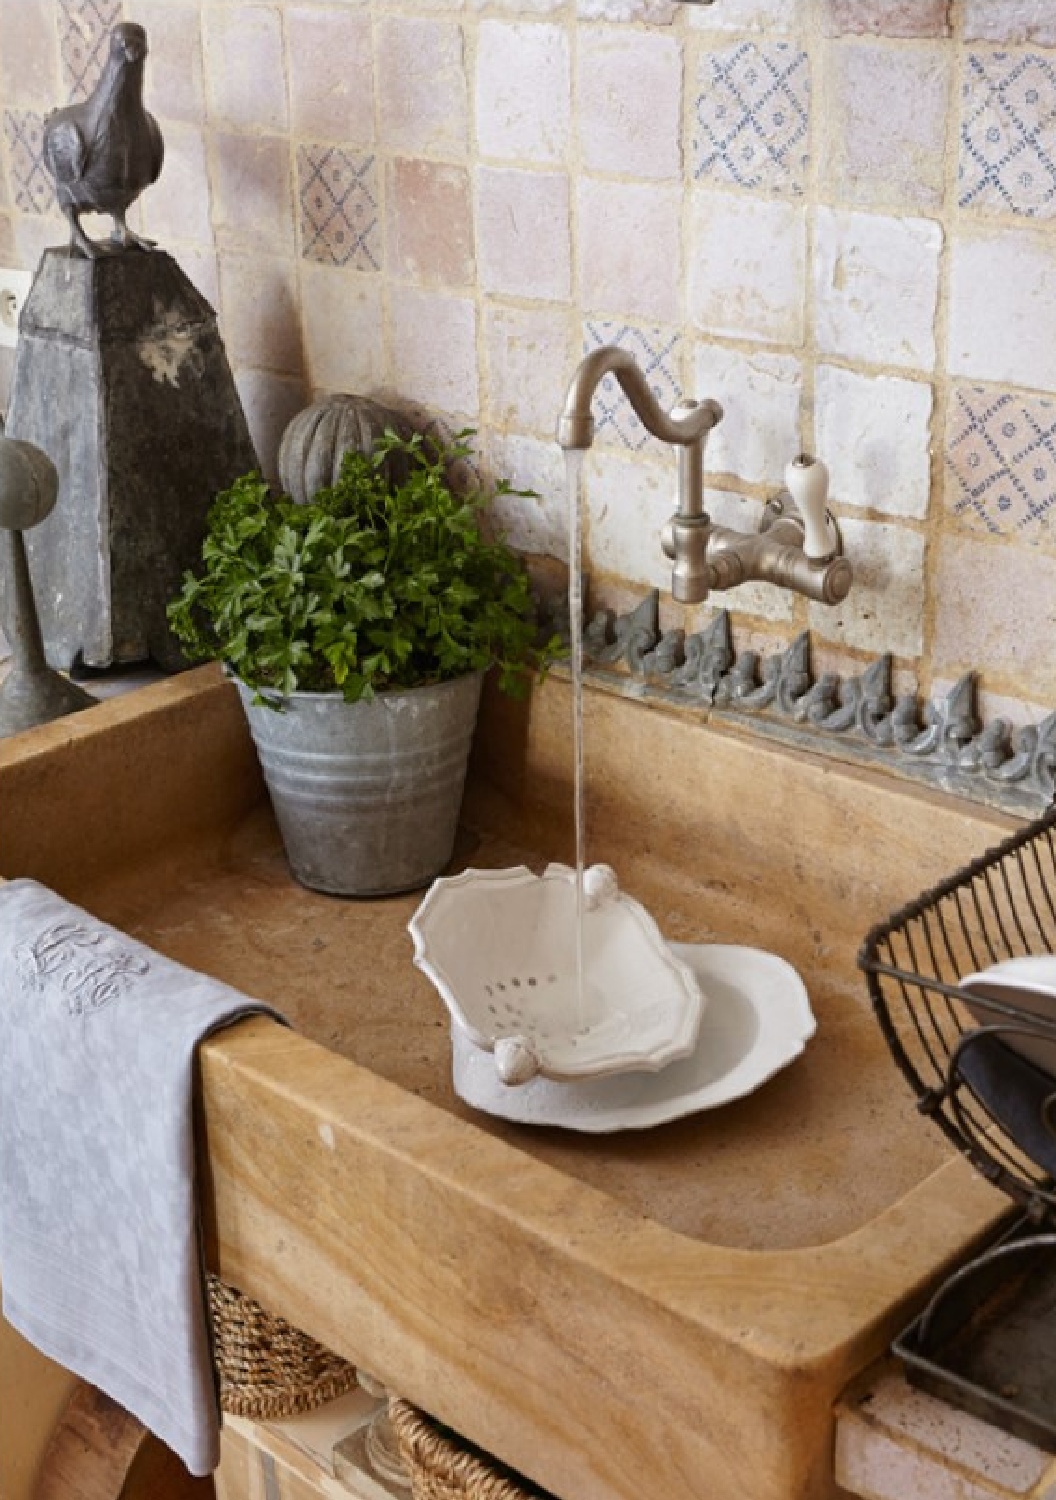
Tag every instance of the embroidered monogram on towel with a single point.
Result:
(87, 966)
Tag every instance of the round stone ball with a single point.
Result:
(29, 485)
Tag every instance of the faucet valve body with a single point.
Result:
(802, 552)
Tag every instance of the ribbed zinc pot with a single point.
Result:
(367, 795)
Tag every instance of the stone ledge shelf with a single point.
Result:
(894, 1442)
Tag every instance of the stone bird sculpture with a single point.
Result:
(104, 152)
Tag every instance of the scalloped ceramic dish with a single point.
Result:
(500, 947)
(758, 1021)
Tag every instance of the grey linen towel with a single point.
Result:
(100, 1256)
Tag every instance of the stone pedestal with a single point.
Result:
(121, 378)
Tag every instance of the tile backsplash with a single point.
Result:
(837, 217)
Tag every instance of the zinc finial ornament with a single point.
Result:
(103, 152)
(31, 693)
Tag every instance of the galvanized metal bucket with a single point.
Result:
(367, 795)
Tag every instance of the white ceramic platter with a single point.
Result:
(757, 1021)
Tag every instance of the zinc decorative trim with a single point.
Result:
(941, 741)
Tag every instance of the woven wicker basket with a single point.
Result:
(266, 1367)
(444, 1466)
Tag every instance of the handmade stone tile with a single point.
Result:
(523, 91)
(876, 287)
(655, 12)
(421, 84)
(885, 609)
(536, 523)
(258, 313)
(341, 325)
(531, 353)
(1001, 463)
(885, 123)
(630, 250)
(337, 193)
(628, 502)
(1008, 134)
(432, 222)
(252, 194)
(522, 7)
(760, 395)
(1010, 21)
(331, 74)
(1008, 335)
(751, 117)
(873, 433)
(659, 355)
(769, 16)
(747, 267)
(629, 102)
(29, 56)
(29, 183)
(245, 75)
(269, 402)
(174, 87)
(84, 40)
(995, 610)
(180, 210)
(885, 17)
(523, 237)
(435, 349)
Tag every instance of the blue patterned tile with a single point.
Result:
(31, 187)
(84, 41)
(658, 351)
(1008, 134)
(1001, 463)
(752, 117)
(338, 196)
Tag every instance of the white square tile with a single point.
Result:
(523, 91)
(873, 433)
(628, 503)
(435, 350)
(629, 102)
(747, 267)
(884, 610)
(760, 396)
(1003, 308)
(531, 354)
(769, 16)
(539, 523)
(630, 251)
(420, 82)
(877, 284)
(524, 244)
(341, 320)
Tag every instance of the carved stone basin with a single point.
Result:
(664, 1313)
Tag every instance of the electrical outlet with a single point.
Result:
(14, 289)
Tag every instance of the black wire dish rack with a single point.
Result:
(981, 1060)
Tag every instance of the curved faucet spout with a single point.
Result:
(689, 423)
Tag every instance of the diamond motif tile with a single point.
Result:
(657, 351)
(84, 37)
(1001, 463)
(338, 195)
(1008, 135)
(752, 113)
(32, 190)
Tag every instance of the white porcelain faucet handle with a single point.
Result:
(807, 479)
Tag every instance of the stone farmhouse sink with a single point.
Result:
(668, 1313)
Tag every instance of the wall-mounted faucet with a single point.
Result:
(797, 551)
